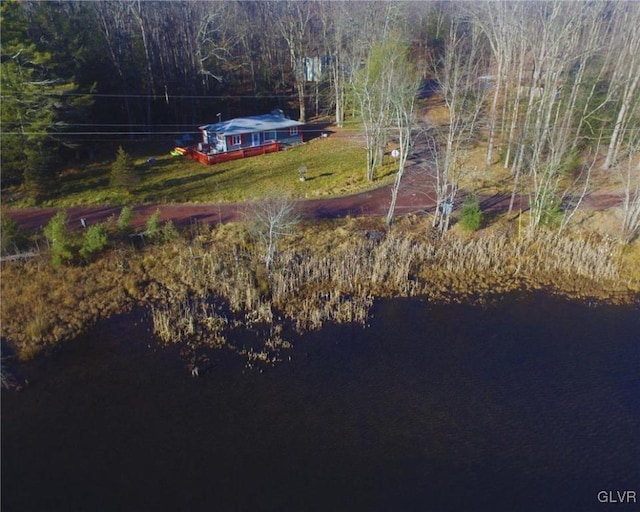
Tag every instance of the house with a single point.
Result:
(245, 137)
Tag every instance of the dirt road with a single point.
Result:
(416, 196)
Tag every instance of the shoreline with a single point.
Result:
(212, 280)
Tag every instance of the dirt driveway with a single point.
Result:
(416, 196)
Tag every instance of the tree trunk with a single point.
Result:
(493, 114)
(622, 121)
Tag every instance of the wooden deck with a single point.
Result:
(203, 158)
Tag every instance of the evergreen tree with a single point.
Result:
(124, 220)
(152, 226)
(37, 175)
(471, 214)
(123, 171)
(37, 104)
(12, 238)
(95, 241)
(59, 239)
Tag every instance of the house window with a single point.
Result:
(236, 140)
(293, 130)
(270, 135)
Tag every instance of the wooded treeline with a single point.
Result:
(73, 72)
(539, 82)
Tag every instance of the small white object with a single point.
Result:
(395, 153)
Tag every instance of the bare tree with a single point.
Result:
(577, 190)
(214, 38)
(402, 105)
(272, 219)
(495, 19)
(372, 87)
(551, 86)
(338, 32)
(293, 21)
(259, 57)
(116, 30)
(626, 76)
(630, 174)
(372, 83)
(446, 181)
(157, 57)
(456, 74)
(561, 66)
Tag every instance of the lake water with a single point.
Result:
(532, 404)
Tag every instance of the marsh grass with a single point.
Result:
(39, 326)
(202, 289)
(312, 284)
(177, 321)
(42, 306)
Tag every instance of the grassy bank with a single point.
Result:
(335, 166)
(212, 280)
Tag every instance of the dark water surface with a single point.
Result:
(532, 404)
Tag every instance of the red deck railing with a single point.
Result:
(203, 158)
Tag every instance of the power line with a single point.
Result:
(176, 132)
(65, 124)
(149, 126)
(165, 131)
(90, 133)
(162, 97)
(144, 125)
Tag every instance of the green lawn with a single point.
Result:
(335, 166)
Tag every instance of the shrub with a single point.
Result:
(124, 220)
(571, 164)
(152, 226)
(38, 327)
(12, 239)
(471, 215)
(59, 239)
(551, 213)
(503, 154)
(95, 240)
(169, 231)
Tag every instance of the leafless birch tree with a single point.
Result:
(272, 219)
(457, 76)
(372, 85)
(338, 28)
(497, 21)
(405, 91)
(551, 81)
(293, 21)
(577, 190)
(626, 76)
(630, 174)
